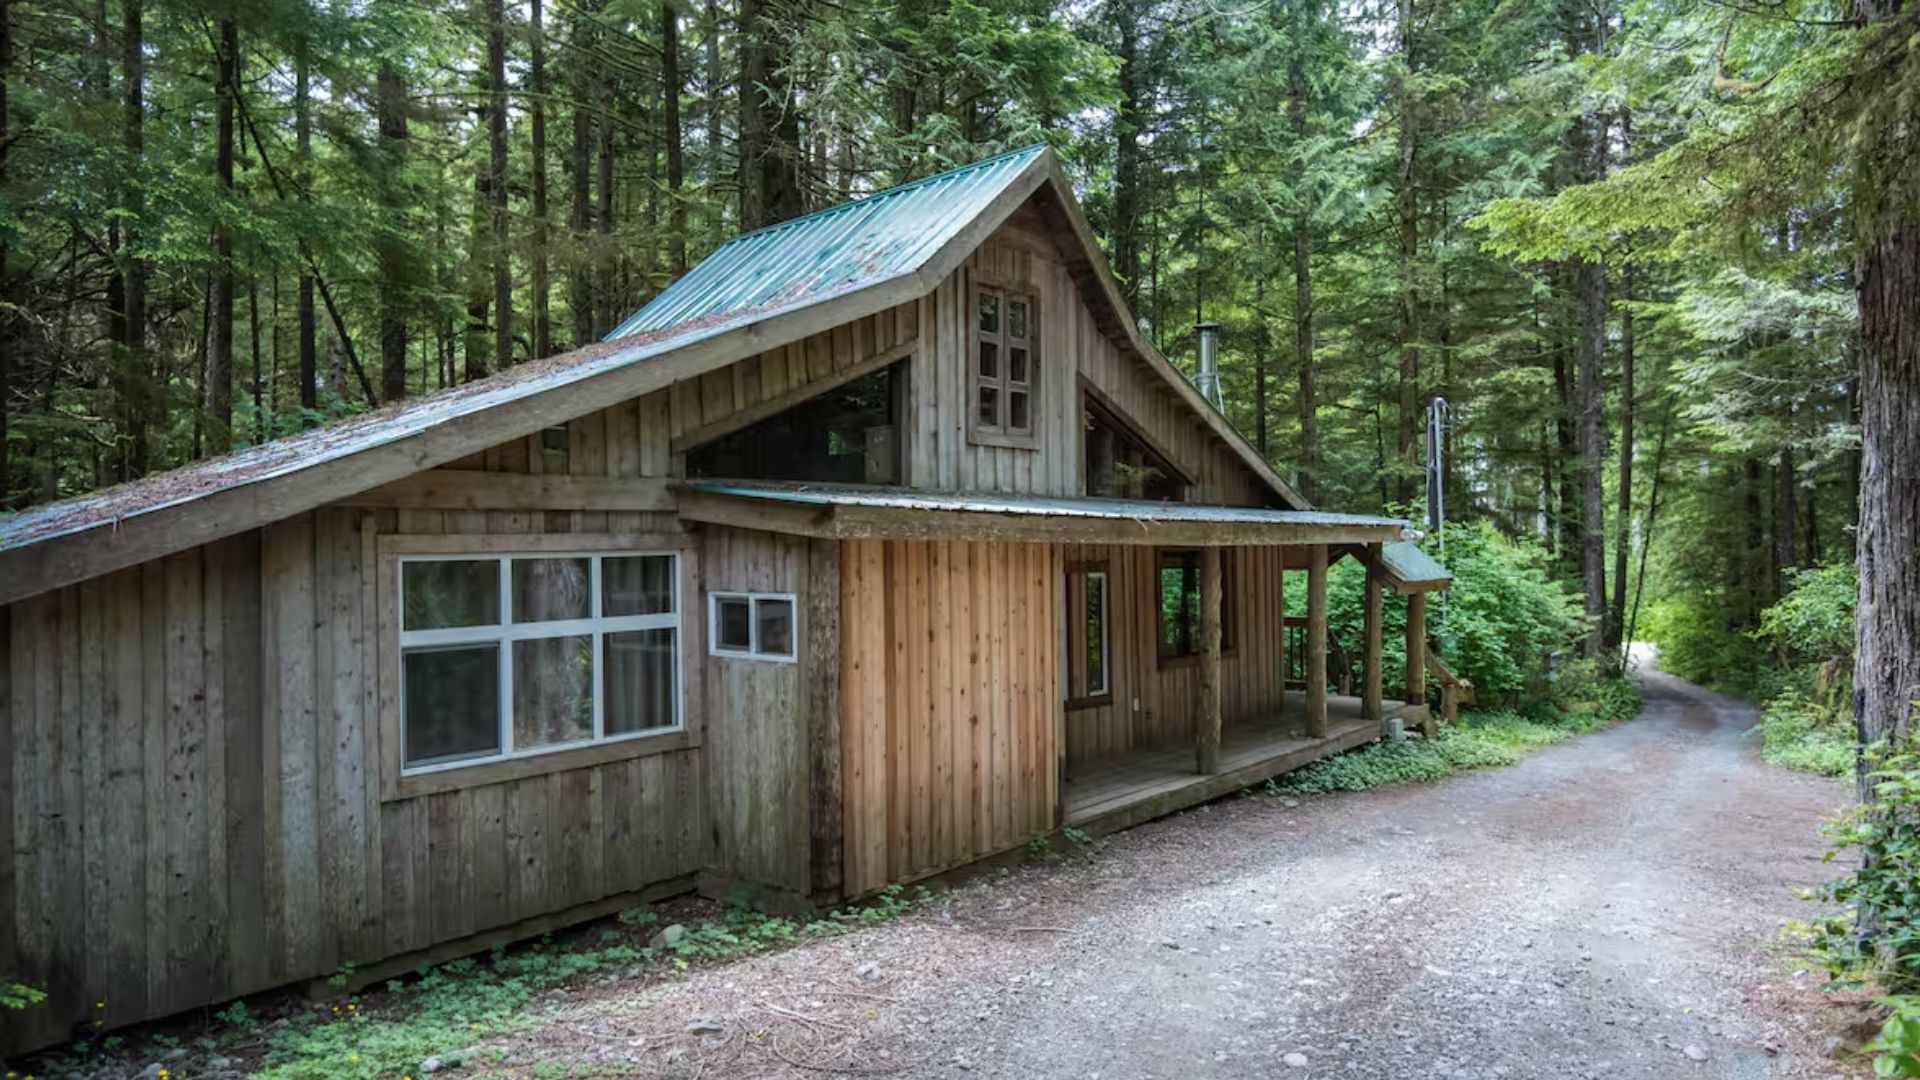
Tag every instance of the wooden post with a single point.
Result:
(1207, 738)
(1317, 641)
(1372, 690)
(827, 830)
(1416, 648)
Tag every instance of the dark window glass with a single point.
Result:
(638, 680)
(1095, 621)
(989, 411)
(733, 623)
(989, 360)
(552, 691)
(1017, 365)
(450, 703)
(636, 585)
(545, 590)
(1179, 603)
(447, 593)
(1016, 319)
(989, 313)
(1018, 418)
(848, 435)
(774, 617)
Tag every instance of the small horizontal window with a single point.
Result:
(754, 626)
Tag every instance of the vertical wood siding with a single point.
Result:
(951, 703)
(1252, 672)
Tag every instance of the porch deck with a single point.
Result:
(1106, 796)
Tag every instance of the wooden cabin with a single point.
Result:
(878, 544)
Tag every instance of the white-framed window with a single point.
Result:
(753, 626)
(512, 655)
(1089, 667)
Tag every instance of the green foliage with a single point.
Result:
(1481, 740)
(1799, 733)
(1870, 931)
(1814, 622)
(17, 996)
(451, 1010)
(1897, 1048)
(1701, 641)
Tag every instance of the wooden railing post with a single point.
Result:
(1372, 689)
(1207, 738)
(1416, 648)
(1317, 641)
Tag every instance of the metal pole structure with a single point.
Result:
(1207, 378)
(1438, 413)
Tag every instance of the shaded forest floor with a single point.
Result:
(1609, 907)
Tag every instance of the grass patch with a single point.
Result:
(1796, 733)
(1482, 739)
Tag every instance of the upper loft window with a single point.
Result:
(847, 435)
(1120, 466)
(1005, 366)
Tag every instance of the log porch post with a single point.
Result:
(1317, 641)
(1207, 737)
(1417, 648)
(1372, 689)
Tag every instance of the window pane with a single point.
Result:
(775, 619)
(989, 413)
(638, 680)
(989, 360)
(450, 592)
(733, 623)
(549, 589)
(989, 313)
(1016, 319)
(641, 585)
(1179, 605)
(1096, 623)
(552, 691)
(450, 702)
(1017, 365)
(1017, 418)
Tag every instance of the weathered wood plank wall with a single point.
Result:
(951, 703)
(1167, 693)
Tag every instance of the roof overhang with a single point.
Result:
(1406, 566)
(847, 512)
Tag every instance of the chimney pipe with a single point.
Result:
(1207, 379)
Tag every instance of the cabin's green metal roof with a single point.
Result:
(1410, 564)
(837, 250)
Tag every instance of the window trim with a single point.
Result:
(999, 433)
(1088, 697)
(753, 650)
(382, 554)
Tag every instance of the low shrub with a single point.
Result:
(1482, 739)
(1797, 732)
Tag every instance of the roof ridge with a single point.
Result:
(1033, 148)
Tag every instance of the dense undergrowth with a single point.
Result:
(1483, 738)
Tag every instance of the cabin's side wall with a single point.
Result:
(194, 796)
(951, 703)
(1155, 702)
(1022, 256)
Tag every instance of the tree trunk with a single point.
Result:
(391, 103)
(580, 164)
(217, 390)
(1128, 120)
(541, 282)
(603, 287)
(1260, 440)
(1886, 668)
(1406, 203)
(670, 128)
(308, 324)
(769, 126)
(502, 242)
(133, 359)
(1303, 286)
(7, 317)
(1623, 506)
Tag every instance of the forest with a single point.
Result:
(1620, 244)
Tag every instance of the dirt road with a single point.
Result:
(1606, 908)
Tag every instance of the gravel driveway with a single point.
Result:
(1606, 908)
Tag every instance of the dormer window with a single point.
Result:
(1005, 366)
